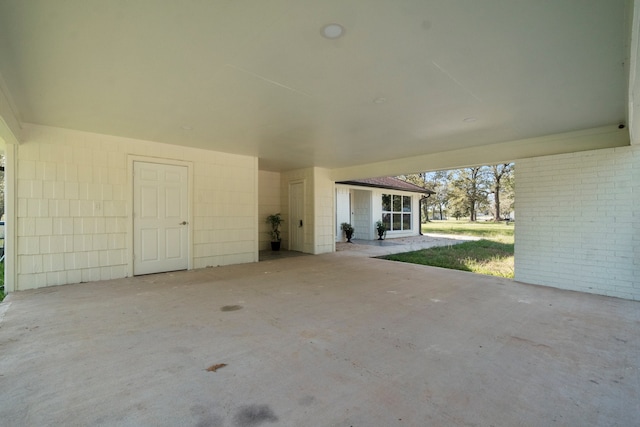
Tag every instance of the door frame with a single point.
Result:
(131, 159)
(304, 214)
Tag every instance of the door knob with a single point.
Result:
(184, 223)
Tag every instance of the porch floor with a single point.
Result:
(328, 340)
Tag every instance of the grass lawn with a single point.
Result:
(489, 230)
(492, 255)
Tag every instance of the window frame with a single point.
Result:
(399, 212)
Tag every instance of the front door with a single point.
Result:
(160, 213)
(296, 216)
(343, 211)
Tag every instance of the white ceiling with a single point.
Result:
(256, 77)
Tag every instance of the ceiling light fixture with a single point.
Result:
(380, 100)
(332, 31)
(469, 120)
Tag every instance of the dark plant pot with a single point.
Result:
(275, 246)
(380, 234)
(349, 236)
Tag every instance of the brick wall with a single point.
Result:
(73, 206)
(578, 221)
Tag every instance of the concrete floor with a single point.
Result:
(330, 340)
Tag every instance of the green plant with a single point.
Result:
(348, 230)
(275, 220)
(381, 228)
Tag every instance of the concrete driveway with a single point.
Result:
(330, 340)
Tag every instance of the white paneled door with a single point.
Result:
(160, 218)
(343, 211)
(296, 215)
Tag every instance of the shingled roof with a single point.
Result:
(388, 182)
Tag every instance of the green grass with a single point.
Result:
(492, 255)
(488, 230)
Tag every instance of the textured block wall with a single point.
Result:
(578, 221)
(319, 209)
(325, 212)
(73, 206)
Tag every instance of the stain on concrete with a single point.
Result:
(214, 368)
(231, 308)
(254, 415)
(206, 417)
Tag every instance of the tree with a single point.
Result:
(469, 189)
(419, 179)
(508, 195)
(438, 181)
(499, 173)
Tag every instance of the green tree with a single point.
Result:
(508, 194)
(469, 189)
(438, 182)
(419, 179)
(499, 174)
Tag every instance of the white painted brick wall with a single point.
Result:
(578, 221)
(73, 208)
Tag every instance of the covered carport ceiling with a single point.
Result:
(447, 78)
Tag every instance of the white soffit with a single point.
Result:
(408, 78)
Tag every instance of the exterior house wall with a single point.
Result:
(367, 209)
(578, 225)
(269, 202)
(324, 212)
(74, 216)
(377, 212)
(319, 214)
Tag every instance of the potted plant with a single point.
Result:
(381, 229)
(348, 231)
(275, 220)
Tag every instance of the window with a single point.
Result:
(396, 212)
